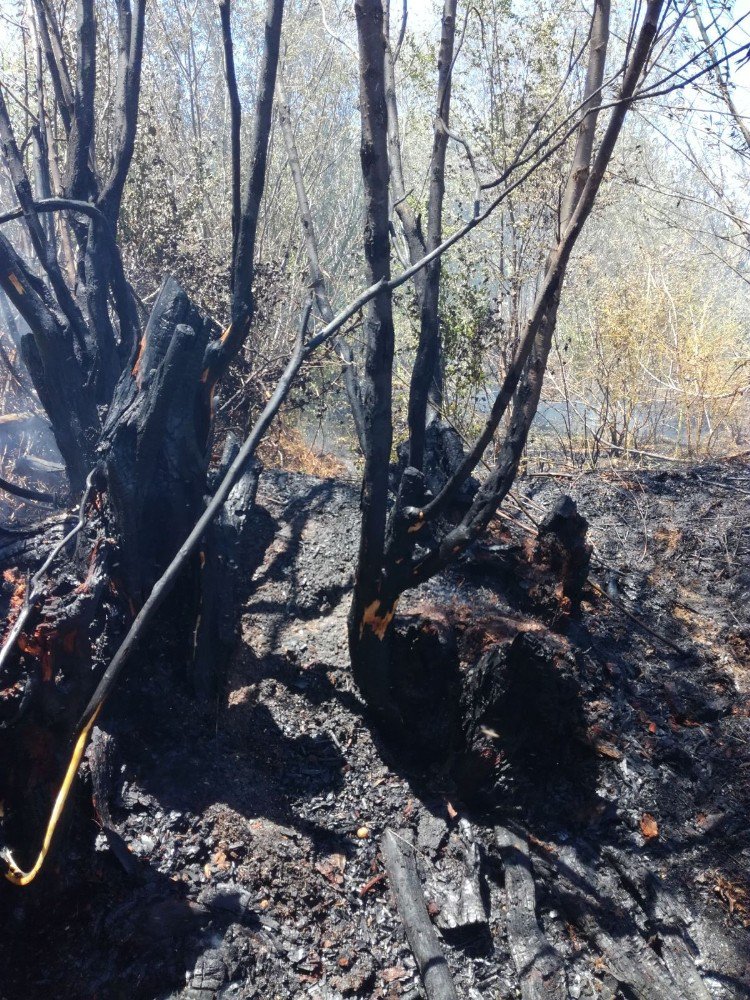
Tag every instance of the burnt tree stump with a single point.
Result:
(145, 494)
(562, 549)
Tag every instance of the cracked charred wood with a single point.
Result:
(611, 923)
(562, 547)
(465, 908)
(101, 760)
(670, 919)
(403, 879)
(522, 720)
(539, 966)
(27, 548)
(154, 443)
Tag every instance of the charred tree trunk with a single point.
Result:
(372, 604)
(153, 447)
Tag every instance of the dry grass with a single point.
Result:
(286, 449)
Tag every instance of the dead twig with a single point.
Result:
(730, 487)
(35, 589)
(638, 621)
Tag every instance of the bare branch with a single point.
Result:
(131, 26)
(235, 120)
(79, 180)
(49, 36)
(243, 264)
(317, 280)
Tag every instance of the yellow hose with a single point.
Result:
(14, 873)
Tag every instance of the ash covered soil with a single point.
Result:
(234, 848)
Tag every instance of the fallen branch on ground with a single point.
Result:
(539, 966)
(404, 881)
(25, 493)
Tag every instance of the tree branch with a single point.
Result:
(495, 488)
(42, 248)
(127, 99)
(243, 305)
(79, 180)
(317, 280)
(426, 380)
(235, 121)
(49, 36)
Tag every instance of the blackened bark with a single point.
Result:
(403, 878)
(131, 24)
(43, 249)
(49, 37)
(235, 119)
(426, 378)
(242, 297)
(153, 445)
(49, 352)
(410, 222)
(539, 965)
(372, 605)
(79, 181)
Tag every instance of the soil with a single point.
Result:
(232, 850)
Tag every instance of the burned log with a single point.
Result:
(669, 918)
(540, 968)
(562, 550)
(404, 881)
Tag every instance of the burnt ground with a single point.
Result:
(234, 851)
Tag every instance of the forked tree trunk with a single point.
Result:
(421, 534)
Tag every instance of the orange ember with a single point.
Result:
(136, 372)
(19, 591)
